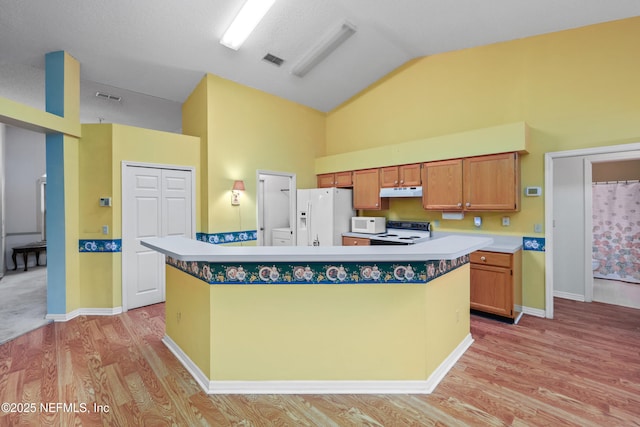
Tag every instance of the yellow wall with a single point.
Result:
(336, 332)
(102, 149)
(247, 130)
(575, 89)
(187, 316)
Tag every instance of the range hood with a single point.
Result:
(401, 192)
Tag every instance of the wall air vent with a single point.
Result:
(273, 59)
(103, 95)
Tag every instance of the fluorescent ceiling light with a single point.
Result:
(323, 49)
(245, 22)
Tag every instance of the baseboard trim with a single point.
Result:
(568, 295)
(319, 387)
(84, 312)
(537, 312)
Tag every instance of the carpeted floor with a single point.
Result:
(23, 302)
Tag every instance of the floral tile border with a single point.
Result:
(100, 245)
(533, 244)
(228, 237)
(317, 273)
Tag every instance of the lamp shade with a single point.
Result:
(238, 185)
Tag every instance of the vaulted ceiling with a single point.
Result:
(163, 47)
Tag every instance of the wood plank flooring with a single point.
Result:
(580, 369)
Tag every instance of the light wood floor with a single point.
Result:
(583, 369)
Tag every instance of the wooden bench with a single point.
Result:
(35, 247)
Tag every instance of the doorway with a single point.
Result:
(276, 204)
(568, 217)
(157, 201)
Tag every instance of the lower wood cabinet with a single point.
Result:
(496, 283)
(355, 241)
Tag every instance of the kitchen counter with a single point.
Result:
(500, 243)
(444, 247)
(385, 319)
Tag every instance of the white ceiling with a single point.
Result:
(163, 47)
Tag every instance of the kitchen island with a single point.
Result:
(327, 319)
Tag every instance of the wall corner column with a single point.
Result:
(62, 86)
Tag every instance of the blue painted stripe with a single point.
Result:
(533, 244)
(100, 245)
(54, 83)
(56, 247)
(228, 237)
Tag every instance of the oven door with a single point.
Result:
(376, 242)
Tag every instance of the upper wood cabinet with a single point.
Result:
(338, 179)
(484, 183)
(492, 183)
(366, 190)
(400, 176)
(442, 185)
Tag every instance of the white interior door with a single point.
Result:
(156, 203)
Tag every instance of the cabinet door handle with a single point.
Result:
(402, 181)
(355, 243)
(483, 258)
(468, 204)
(395, 182)
(459, 205)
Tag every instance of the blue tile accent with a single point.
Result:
(228, 237)
(318, 273)
(100, 245)
(533, 244)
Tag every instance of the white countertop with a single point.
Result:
(445, 247)
(501, 243)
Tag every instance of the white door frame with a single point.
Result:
(292, 202)
(606, 153)
(126, 164)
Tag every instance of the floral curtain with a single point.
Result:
(616, 231)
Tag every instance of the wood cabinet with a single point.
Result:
(496, 283)
(492, 183)
(401, 176)
(355, 241)
(366, 190)
(442, 185)
(483, 183)
(338, 179)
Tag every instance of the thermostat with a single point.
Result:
(533, 191)
(105, 201)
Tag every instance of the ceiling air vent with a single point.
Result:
(103, 95)
(273, 59)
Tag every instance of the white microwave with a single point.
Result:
(368, 224)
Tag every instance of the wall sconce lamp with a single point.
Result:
(238, 186)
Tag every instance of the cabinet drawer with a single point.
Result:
(491, 258)
(355, 241)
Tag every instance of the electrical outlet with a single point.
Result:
(506, 221)
(537, 228)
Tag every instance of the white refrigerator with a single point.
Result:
(323, 214)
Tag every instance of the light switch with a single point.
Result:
(105, 229)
